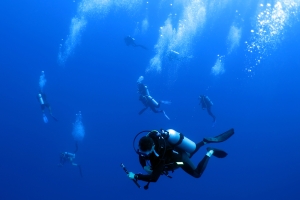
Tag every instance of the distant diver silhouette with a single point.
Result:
(206, 103)
(130, 41)
(67, 157)
(147, 100)
(44, 104)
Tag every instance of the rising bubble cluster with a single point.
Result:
(78, 128)
(268, 32)
(218, 68)
(87, 9)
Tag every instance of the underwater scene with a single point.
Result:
(161, 99)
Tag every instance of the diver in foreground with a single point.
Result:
(147, 100)
(169, 150)
(206, 103)
(44, 104)
(66, 157)
(130, 41)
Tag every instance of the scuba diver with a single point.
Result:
(44, 104)
(130, 41)
(169, 150)
(66, 157)
(207, 103)
(147, 100)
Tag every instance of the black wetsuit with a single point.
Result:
(45, 104)
(206, 103)
(131, 42)
(66, 157)
(168, 156)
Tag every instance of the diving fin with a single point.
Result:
(217, 152)
(53, 117)
(80, 171)
(220, 138)
(166, 115)
(45, 118)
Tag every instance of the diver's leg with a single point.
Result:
(198, 146)
(210, 113)
(160, 111)
(50, 111)
(156, 111)
(49, 108)
(188, 166)
(202, 165)
(158, 105)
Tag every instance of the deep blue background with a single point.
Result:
(99, 79)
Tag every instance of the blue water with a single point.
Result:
(243, 54)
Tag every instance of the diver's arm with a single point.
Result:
(211, 114)
(50, 111)
(142, 161)
(141, 112)
(153, 177)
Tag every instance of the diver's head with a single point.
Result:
(146, 145)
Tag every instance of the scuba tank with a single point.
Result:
(209, 101)
(153, 102)
(41, 99)
(179, 140)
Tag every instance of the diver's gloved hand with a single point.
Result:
(45, 118)
(131, 175)
(148, 169)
